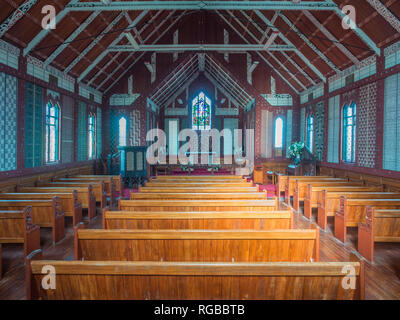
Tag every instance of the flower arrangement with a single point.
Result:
(295, 151)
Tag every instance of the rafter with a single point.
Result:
(16, 15)
(265, 60)
(309, 43)
(40, 36)
(385, 13)
(117, 54)
(147, 38)
(331, 37)
(115, 41)
(72, 37)
(203, 5)
(287, 41)
(359, 32)
(94, 42)
(201, 47)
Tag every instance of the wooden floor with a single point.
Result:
(382, 277)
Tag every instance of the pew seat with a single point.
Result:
(198, 196)
(68, 202)
(198, 190)
(16, 227)
(94, 280)
(45, 213)
(381, 225)
(197, 220)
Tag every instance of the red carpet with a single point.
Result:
(270, 189)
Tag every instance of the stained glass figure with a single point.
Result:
(201, 112)
(52, 133)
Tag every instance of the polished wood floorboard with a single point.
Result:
(382, 277)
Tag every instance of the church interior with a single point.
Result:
(200, 150)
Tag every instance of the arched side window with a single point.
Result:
(92, 136)
(310, 132)
(349, 133)
(122, 132)
(278, 133)
(52, 132)
(201, 112)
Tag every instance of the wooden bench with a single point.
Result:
(282, 181)
(205, 177)
(291, 185)
(97, 188)
(17, 227)
(68, 202)
(199, 196)
(168, 184)
(45, 213)
(380, 226)
(197, 220)
(353, 211)
(109, 187)
(313, 195)
(100, 280)
(197, 245)
(85, 195)
(329, 202)
(198, 205)
(118, 182)
(300, 188)
(198, 190)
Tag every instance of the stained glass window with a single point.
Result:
(349, 133)
(122, 132)
(92, 136)
(52, 132)
(201, 112)
(310, 132)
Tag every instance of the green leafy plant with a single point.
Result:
(295, 151)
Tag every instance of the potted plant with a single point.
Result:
(295, 151)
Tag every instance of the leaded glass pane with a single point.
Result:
(201, 112)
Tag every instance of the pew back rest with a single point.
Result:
(239, 281)
(197, 245)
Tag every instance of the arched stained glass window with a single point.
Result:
(122, 132)
(52, 132)
(349, 133)
(310, 132)
(92, 136)
(201, 112)
(278, 133)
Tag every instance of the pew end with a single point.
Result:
(32, 292)
(103, 216)
(77, 251)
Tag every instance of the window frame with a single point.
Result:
(283, 137)
(57, 138)
(344, 118)
(198, 128)
(310, 128)
(119, 131)
(92, 155)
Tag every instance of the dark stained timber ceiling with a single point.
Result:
(96, 41)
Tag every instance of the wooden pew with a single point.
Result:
(45, 213)
(93, 280)
(198, 205)
(118, 182)
(282, 181)
(300, 188)
(109, 187)
(295, 245)
(85, 195)
(168, 184)
(197, 220)
(329, 202)
(17, 227)
(313, 195)
(198, 190)
(68, 202)
(380, 226)
(97, 188)
(353, 211)
(193, 178)
(199, 196)
(290, 186)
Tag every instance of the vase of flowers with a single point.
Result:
(295, 151)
